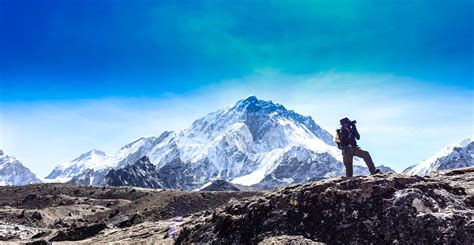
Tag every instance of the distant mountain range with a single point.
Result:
(12, 172)
(452, 156)
(254, 142)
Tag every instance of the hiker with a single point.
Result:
(346, 138)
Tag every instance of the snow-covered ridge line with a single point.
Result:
(451, 156)
(250, 142)
(13, 172)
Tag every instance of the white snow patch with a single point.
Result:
(266, 164)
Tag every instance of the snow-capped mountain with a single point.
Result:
(93, 159)
(452, 156)
(12, 172)
(91, 167)
(250, 142)
(244, 144)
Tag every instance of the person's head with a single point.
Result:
(345, 122)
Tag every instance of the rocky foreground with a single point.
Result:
(381, 209)
(63, 212)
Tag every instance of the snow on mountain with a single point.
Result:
(243, 144)
(12, 172)
(452, 156)
(94, 164)
(65, 171)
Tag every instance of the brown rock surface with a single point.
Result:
(63, 212)
(379, 209)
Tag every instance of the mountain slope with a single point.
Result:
(140, 174)
(450, 157)
(247, 142)
(12, 172)
(93, 159)
(252, 142)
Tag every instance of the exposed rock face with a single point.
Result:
(379, 209)
(89, 177)
(140, 174)
(79, 233)
(220, 185)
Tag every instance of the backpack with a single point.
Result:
(337, 139)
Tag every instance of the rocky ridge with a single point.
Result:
(381, 209)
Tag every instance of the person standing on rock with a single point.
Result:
(346, 138)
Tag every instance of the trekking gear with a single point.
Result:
(337, 140)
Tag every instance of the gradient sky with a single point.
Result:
(76, 75)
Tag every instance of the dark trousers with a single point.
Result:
(347, 155)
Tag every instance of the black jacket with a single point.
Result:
(349, 137)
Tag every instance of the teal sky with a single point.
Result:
(63, 48)
(405, 64)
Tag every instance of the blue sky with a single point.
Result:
(98, 74)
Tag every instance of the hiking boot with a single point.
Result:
(377, 171)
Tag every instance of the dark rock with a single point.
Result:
(37, 215)
(79, 233)
(60, 223)
(40, 234)
(135, 219)
(89, 177)
(114, 213)
(380, 209)
(22, 215)
(140, 174)
(221, 185)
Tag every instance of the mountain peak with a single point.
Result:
(139, 141)
(252, 98)
(451, 156)
(97, 152)
(89, 154)
(467, 141)
(253, 104)
(13, 172)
